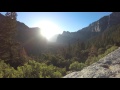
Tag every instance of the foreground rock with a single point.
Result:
(107, 67)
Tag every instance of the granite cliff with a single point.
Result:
(94, 29)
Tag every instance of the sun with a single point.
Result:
(49, 29)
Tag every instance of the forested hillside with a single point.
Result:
(25, 54)
(94, 29)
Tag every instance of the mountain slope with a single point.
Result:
(30, 38)
(94, 29)
(34, 43)
(107, 67)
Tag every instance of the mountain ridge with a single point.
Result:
(93, 29)
(27, 36)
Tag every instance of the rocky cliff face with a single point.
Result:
(94, 29)
(107, 67)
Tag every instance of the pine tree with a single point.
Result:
(9, 46)
(68, 54)
(93, 51)
(8, 33)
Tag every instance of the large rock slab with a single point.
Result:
(107, 67)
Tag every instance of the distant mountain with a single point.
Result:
(94, 29)
(35, 43)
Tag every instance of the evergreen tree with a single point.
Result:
(9, 46)
(8, 33)
(93, 51)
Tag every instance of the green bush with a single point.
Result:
(32, 69)
(110, 49)
(6, 71)
(91, 60)
(57, 74)
(101, 51)
(108, 46)
(76, 66)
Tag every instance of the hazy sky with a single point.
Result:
(67, 21)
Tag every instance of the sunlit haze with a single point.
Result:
(49, 29)
(52, 23)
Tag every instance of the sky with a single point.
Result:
(67, 21)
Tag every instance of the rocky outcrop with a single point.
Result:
(107, 67)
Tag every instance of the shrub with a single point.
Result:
(101, 51)
(76, 66)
